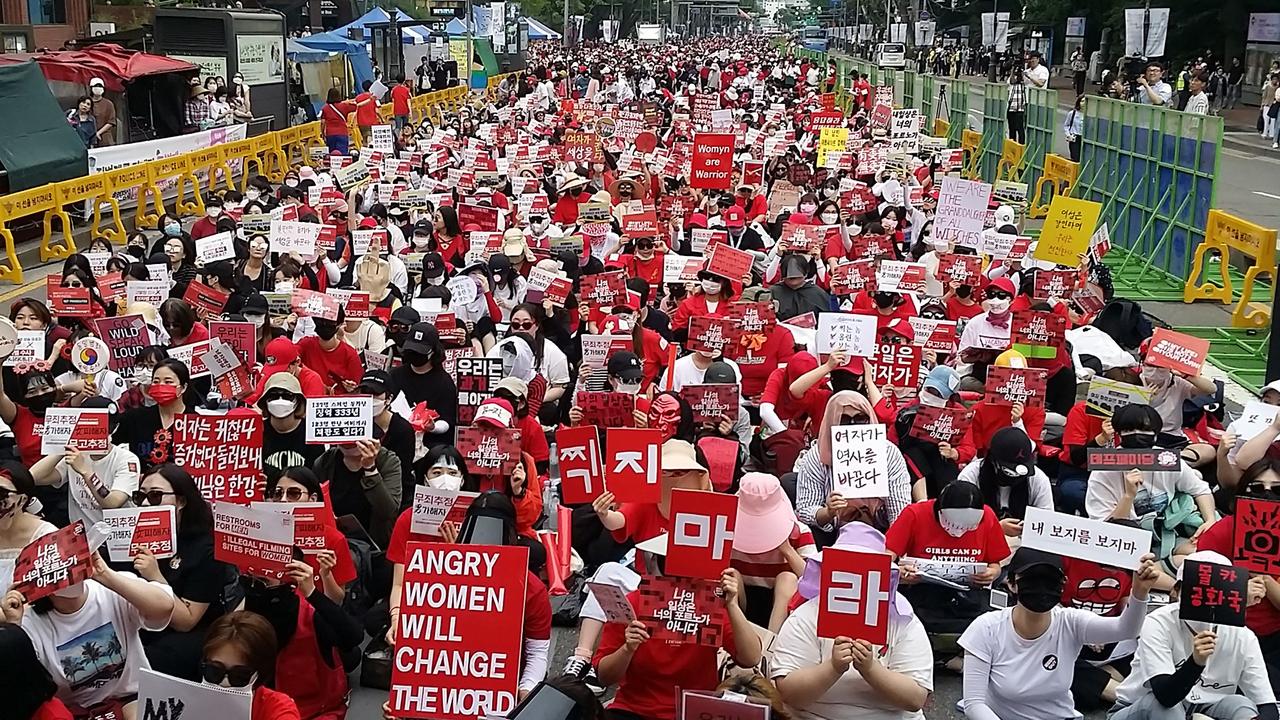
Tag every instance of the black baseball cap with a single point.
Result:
(626, 366)
(255, 304)
(375, 382)
(405, 315)
(1027, 558)
(422, 338)
(432, 265)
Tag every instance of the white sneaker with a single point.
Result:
(1275, 145)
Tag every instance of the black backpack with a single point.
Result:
(1125, 322)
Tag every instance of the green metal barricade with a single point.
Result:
(1042, 124)
(954, 94)
(1153, 169)
(995, 107)
(908, 96)
(926, 95)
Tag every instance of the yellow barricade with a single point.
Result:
(941, 128)
(1223, 233)
(971, 145)
(1059, 176)
(132, 179)
(1011, 157)
(77, 190)
(211, 164)
(16, 205)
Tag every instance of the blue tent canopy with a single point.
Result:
(354, 50)
(415, 35)
(300, 53)
(538, 31)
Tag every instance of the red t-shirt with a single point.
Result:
(53, 709)
(340, 363)
(644, 522)
(199, 333)
(916, 533)
(270, 704)
(756, 366)
(658, 668)
(758, 206)
(367, 114)
(648, 270)
(334, 116)
(27, 430)
(957, 311)
(345, 570)
(400, 99)
(1263, 618)
(1080, 429)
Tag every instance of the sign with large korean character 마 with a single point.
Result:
(859, 461)
(701, 538)
(1094, 540)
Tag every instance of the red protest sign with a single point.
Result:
(1255, 542)
(309, 521)
(355, 303)
(633, 464)
(934, 334)
(154, 532)
(462, 607)
(1039, 333)
(482, 216)
(203, 297)
(872, 246)
(581, 475)
(309, 303)
(1055, 284)
(223, 453)
(753, 172)
(66, 302)
(754, 317)
(826, 118)
(1178, 352)
(241, 336)
(258, 538)
(730, 262)
(607, 409)
(582, 147)
(897, 365)
(700, 706)
(941, 424)
(712, 166)
(53, 562)
(605, 288)
(962, 269)
(489, 451)
(681, 611)
(881, 115)
(802, 238)
(1006, 386)
(90, 432)
(701, 539)
(851, 277)
(641, 224)
(126, 336)
(709, 334)
(855, 595)
(711, 402)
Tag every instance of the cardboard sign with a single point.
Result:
(962, 269)
(255, 539)
(1214, 594)
(642, 224)
(461, 607)
(606, 409)
(1038, 333)
(855, 595)
(633, 464)
(581, 473)
(126, 335)
(729, 262)
(338, 420)
(1180, 353)
(613, 601)
(53, 562)
(1067, 229)
(1007, 385)
(859, 463)
(1106, 396)
(603, 289)
(203, 297)
(701, 539)
(162, 697)
(67, 302)
(852, 333)
(961, 213)
(697, 705)
(897, 365)
(1077, 537)
(710, 334)
(941, 424)
(242, 337)
(1122, 459)
(133, 529)
(680, 269)
(712, 166)
(711, 403)
(1255, 542)
(681, 611)
(294, 237)
(223, 453)
(933, 334)
(212, 248)
(90, 432)
(850, 277)
(477, 378)
(489, 451)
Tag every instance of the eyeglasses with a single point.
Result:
(293, 494)
(150, 497)
(526, 325)
(236, 675)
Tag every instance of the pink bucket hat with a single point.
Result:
(765, 516)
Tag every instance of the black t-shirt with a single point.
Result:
(281, 451)
(346, 492)
(399, 439)
(194, 575)
(436, 388)
(141, 431)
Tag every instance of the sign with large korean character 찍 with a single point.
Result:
(859, 461)
(581, 474)
(854, 596)
(1094, 540)
(701, 538)
(459, 643)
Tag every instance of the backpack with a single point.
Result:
(1125, 322)
(359, 598)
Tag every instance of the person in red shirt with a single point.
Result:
(961, 303)
(1083, 431)
(565, 211)
(887, 306)
(956, 536)
(337, 570)
(335, 361)
(334, 116)
(282, 356)
(712, 299)
(754, 205)
(367, 111)
(240, 651)
(993, 413)
(208, 225)
(400, 95)
(761, 351)
(646, 262)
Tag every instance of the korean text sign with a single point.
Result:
(459, 643)
(859, 461)
(222, 453)
(1213, 593)
(855, 594)
(1077, 537)
(701, 539)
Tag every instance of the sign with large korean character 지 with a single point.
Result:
(53, 562)
(134, 529)
(336, 420)
(1008, 385)
(681, 610)
(1255, 538)
(1077, 537)
(1178, 352)
(460, 639)
(859, 461)
(854, 596)
(581, 474)
(256, 539)
(223, 453)
(1067, 229)
(1214, 594)
(633, 464)
(850, 332)
(701, 538)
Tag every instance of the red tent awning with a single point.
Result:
(115, 65)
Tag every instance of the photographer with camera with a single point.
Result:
(1151, 89)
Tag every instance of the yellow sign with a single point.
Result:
(831, 140)
(1067, 229)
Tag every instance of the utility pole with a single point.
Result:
(995, 40)
(565, 34)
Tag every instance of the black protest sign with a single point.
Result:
(1213, 593)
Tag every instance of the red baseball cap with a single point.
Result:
(734, 217)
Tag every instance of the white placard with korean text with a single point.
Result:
(1076, 537)
(852, 333)
(859, 461)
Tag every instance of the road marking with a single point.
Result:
(1266, 194)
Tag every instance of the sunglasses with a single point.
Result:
(76, 284)
(293, 494)
(527, 325)
(5, 494)
(998, 296)
(644, 246)
(150, 497)
(236, 676)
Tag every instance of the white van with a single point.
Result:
(891, 55)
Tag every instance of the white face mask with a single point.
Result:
(958, 521)
(281, 408)
(257, 320)
(830, 218)
(378, 407)
(436, 280)
(807, 208)
(628, 388)
(928, 399)
(290, 182)
(1156, 376)
(446, 481)
(711, 287)
(97, 90)
(284, 287)
(213, 212)
(539, 226)
(70, 592)
(998, 307)
(251, 195)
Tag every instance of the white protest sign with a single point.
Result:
(904, 131)
(152, 292)
(382, 138)
(288, 236)
(212, 248)
(595, 350)
(135, 528)
(98, 263)
(962, 212)
(613, 601)
(58, 424)
(855, 334)
(859, 461)
(1256, 417)
(463, 290)
(957, 571)
(1076, 537)
(8, 337)
(163, 696)
(221, 358)
(430, 507)
(343, 419)
(29, 348)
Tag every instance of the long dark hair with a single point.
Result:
(988, 474)
(470, 483)
(26, 684)
(196, 515)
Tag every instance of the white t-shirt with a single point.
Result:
(980, 333)
(119, 470)
(109, 383)
(94, 653)
(1168, 401)
(851, 698)
(1039, 491)
(1039, 73)
(1235, 666)
(1158, 487)
(686, 373)
(555, 366)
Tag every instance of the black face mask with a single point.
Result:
(1138, 441)
(415, 359)
(1258, 492)
(1039, 594)
(964, 291)
(279, 605)
(884, 301)
(38, 404)
(326, 331)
